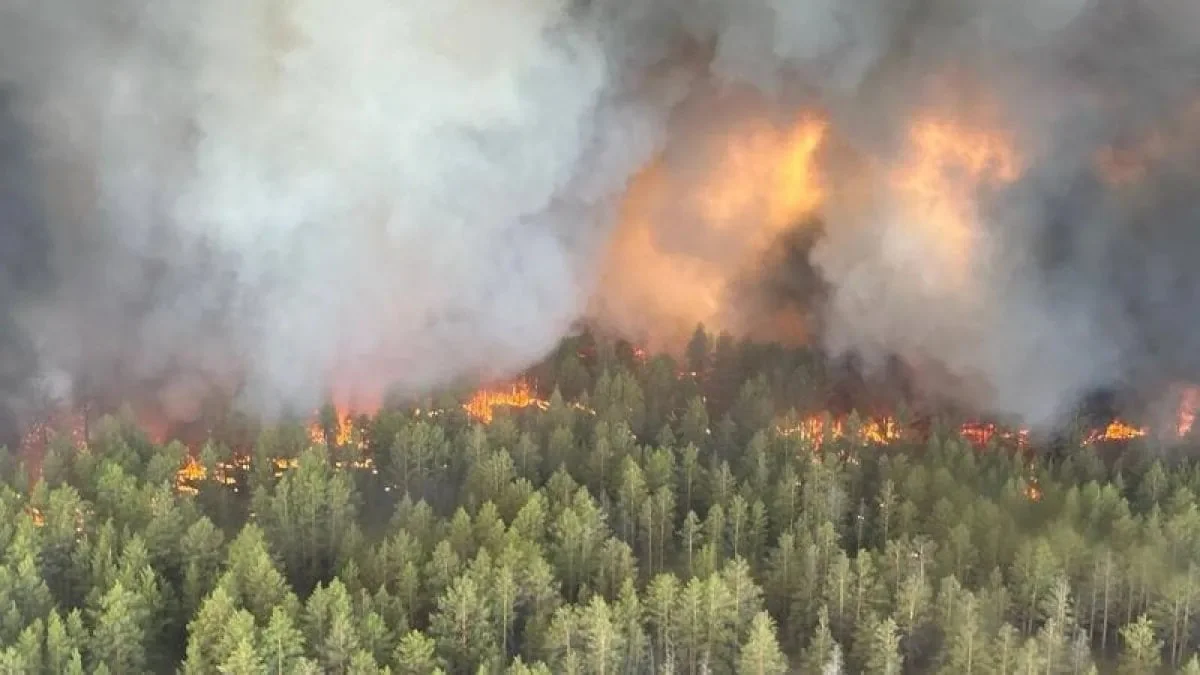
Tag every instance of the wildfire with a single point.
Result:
(1186, 417)
(887, 430)
(189, 475)
(817, 428)
(35, 514)
(1033, 491)
(69, 423)
(766, 172)
(342, 428)
(981, 434)
(684, 238)
(192, 471)
(946, 163)
(1115, 431)
(520, 394)
(1126, 163)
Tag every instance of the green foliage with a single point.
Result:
(651, 517)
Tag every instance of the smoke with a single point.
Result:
(285, 197)
(280, 199)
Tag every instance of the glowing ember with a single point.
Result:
(1033, 491)
(981, 434)
(282, 464)
(69, 423)
(881, 432)
(482, 405)
(38, 519)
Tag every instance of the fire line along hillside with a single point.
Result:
(744, 508)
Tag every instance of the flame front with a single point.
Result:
(481, 407)
(1115, 431)
(982, 433)
(816, 428)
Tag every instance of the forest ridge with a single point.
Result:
(635, 522)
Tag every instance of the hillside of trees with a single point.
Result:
(648, 516)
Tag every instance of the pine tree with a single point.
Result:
(119, 631)
(760, 653)
(282, 644)
(416, 654)
(966, 651)
(821, 645)
(602, 640)
(462, 626)
(877, 646)
(242, 660)
(64, 646)
(1141, 650)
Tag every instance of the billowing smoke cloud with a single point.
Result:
(287, 198)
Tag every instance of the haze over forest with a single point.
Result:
(362, 336)
(279, 201)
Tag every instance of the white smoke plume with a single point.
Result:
(288, 198)
(300, 195)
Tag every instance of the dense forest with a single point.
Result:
(710, 514)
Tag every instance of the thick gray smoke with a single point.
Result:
(284, 198)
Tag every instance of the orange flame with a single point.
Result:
(981, 434)
(683, 239)
(936, 184)
(1186, 417)
(768, 172)
(343, 428)
(191, 473)
(887, 430)
(1115, 431)
(520, 394)
(817, 428)
(35, 514)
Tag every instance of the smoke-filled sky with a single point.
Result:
(287, 198)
